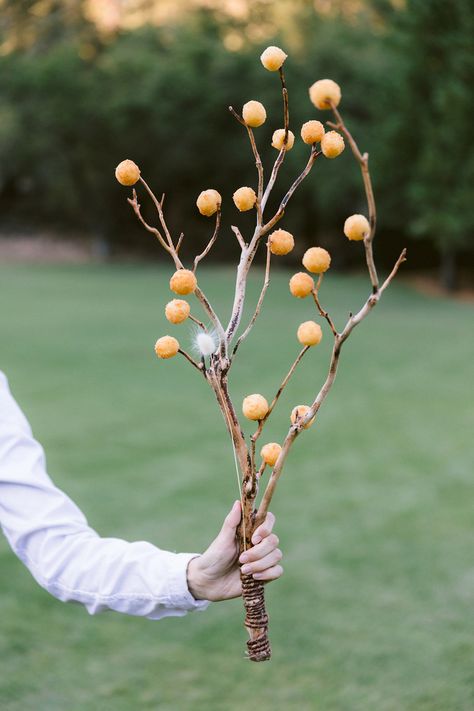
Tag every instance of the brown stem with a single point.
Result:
(293, 432)
(199, 366)
(211, 241)
(363, 160)
(281, 156)
(197, 321)
(279, 213)
(261, 423)
(322, 311)
(266, 282)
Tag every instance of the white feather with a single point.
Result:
(205, 343)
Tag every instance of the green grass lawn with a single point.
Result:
(375, 611)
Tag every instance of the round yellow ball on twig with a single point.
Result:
(208, 202)
(272, 58)
(278, 139)
(332, 144)
(312, 131)
(166, 347)
(356, 227)
(316, 260)
(270, 453)
(183, 282)
(244, 199)
(254, 114)
(255, 407)
(281, 242)
(298, 413)
(127, 172)
(309, 333)
(177, 310)
(325, 92)
(301, 285)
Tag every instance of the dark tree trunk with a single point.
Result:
(448, 271)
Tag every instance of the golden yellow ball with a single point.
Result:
(332, 144)
(272, 58)
(309, 333)
(270, 453)
(208, 202)
(254, 114)
(278, 139)
(325, 92)
(183, 282)
(298, 413)
(312, 131)
(281, 242)
(166, 347)
(244, 199)
(316, 260)
(177, 310)
(356, 227)
(127, 172)
(255, 407)
(301, 285)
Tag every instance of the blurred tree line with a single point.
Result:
(75, 100)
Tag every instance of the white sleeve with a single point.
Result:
(49, 533)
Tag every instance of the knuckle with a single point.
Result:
(273, 539)
(279, 554)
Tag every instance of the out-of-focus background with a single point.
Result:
(374, 612)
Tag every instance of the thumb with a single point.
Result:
(231, 521)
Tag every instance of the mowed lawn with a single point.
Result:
(375, 511)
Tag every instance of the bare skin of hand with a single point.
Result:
(215, 575)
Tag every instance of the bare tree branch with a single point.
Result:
(238, 234)
(323, 313)
(211, 241)
(283, 385)
(266, 282)
(363, 160)
(199, 366)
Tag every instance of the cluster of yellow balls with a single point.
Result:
(324, 94)
(182, 282)
(255, 407)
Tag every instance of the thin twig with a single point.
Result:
(198, 366)
(261, 423)
(315, 153)
(363, 160)
(159, 207)
(266, 282)
(238, 234)
(198, 322)
(294, 430)
(180, 242)
(323, 312)
(258, 162)
(136, 208)
(281, 156)
(211, 241)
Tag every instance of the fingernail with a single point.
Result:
(246, 568)
(244, 558)
(256, 539)
(256, 576)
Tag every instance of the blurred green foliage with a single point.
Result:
(74, 102)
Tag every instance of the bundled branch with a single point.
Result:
(219, 344)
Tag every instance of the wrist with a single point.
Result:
(196, 579)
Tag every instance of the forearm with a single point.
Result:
(51, 536)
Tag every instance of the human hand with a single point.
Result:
(215, 575)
